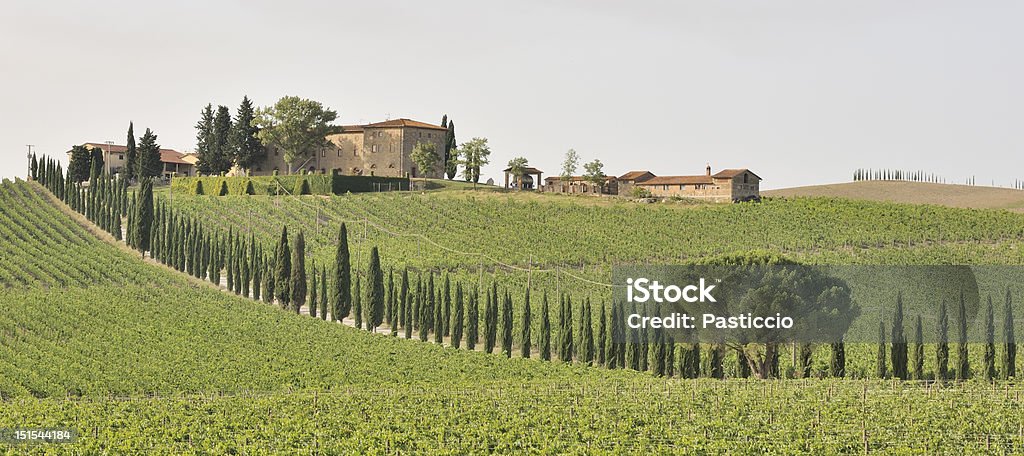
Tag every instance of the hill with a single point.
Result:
(139, 358)
(966, 196)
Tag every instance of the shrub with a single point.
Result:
(249, 190)
(223, 188)
(301, 187)
(641, 192)
(199, 188)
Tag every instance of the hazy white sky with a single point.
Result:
(800, 92)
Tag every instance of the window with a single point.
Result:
(664, 187)
(421, 134)
(354, 152)
(682, 186)
(323, 153)
(373, 148)
(339, 152)
(744, 178)
(120, 156)
(430, 135)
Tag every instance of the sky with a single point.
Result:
(799, 91)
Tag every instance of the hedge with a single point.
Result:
(318, 184)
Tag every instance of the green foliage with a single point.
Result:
(475, 155)
(295, 125)
(424, 155)
(222, 190)
(297, 282)
(375, 291)
(149, 156)
(899, 342)
(198, 189)
(301, 187)
(341, 298)
(245, 143)
(283, 270)
(79, 164)
(131, 155)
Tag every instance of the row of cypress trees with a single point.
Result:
(104, 201)
(907, 362)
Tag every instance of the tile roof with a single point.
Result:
(396, 123)
(166, 155)
(677, 180)
(632, 175)
(730, 173)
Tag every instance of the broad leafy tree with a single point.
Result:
(295, 125)
(475, 155)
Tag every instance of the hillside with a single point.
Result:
(966, 196)
(139, 358)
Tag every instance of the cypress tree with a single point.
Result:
(439, 318)
(490, 324)
(917, 352)
(341, 298)
(410, 309)
(144, 216)
(670, 356)
(425, 301)
(447, 306)
(117, 228)
(149, 157)
(963, 364)
(245, 144)
(269, 281)
(223, 189)
(229, 260)
(837, 362)
(34, 168)
(524, 330)
(545, 329)
(298, 282)
(1009, 357)
(565, 342)
(881, 367)
(806, 360)
(313, 291)
(245, 272)
(506, 321)
(989, 358)
(458, 317)
(942, 347)
(283, 270)
(357, 304)
(256, 263)
(588, 333)
(472, 321)
(899, 341)
(375, 287)
(403, 300)
(131, 154)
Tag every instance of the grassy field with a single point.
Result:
(967, 196)
(138, 358)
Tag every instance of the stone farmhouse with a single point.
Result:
(724, 186)
(376, 149)
(175, 164)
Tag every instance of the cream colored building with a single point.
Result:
(377, 149)
(723, 186)
(114, 160)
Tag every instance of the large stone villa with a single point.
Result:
(378, 149)
(723, 186)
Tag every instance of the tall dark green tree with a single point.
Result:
(341, 298)
(246, 147)
(524, 329)
(446, 315)
(899, 341)
(472, 321)
(283, 270)
(989, 359)
(131, 155)
(79, 163)
(942, 344)
(490, 324)
(963, 363)
(313, 290)
(204, 142)
(587, 323)
(1009, 358)
(375, 291)
(297, 282)
(144, 215)
(565, 339)
(403, 300)
(220, 150)
(917, 351)
(506, 328)
(149, 156)
(545, 329)
(602, 338)
(458, 317)
(837, 362)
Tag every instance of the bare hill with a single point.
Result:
(915, 193)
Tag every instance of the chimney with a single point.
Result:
(708, 169)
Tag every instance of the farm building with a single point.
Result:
(723, 186)
(174, 163)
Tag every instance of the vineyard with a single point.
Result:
(232, 375)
